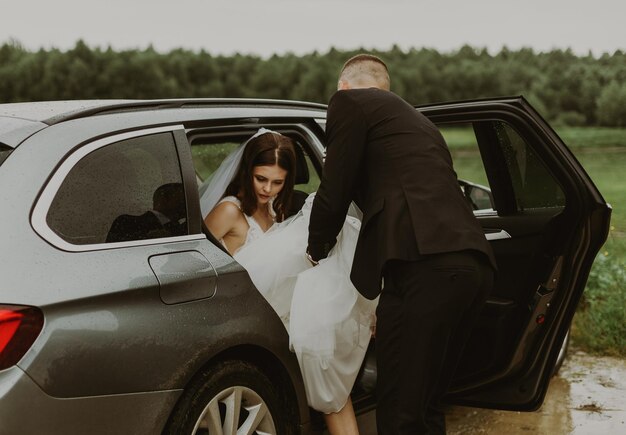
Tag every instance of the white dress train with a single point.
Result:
(327, 319)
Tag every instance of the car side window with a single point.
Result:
(124, 191)
(468, 164)
(533, 184)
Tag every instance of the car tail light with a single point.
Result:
(19, 327)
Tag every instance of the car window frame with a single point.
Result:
(49, 191)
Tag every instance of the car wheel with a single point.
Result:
(562, 355)
(231, 397)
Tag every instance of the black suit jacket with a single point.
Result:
(394, 163)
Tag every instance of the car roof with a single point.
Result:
(20, 120)
(53, 112)
(44, 110)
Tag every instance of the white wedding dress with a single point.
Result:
(327, 319)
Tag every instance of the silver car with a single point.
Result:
(114, 321)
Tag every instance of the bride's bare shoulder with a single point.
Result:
(224, 218)
(226, 210)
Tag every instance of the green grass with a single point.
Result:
(459, 138)
(207, 158)
(592, 137)
(600, 322)
(607, 168)
(574, 137)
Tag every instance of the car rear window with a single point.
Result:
(125, 191)
(4, 153)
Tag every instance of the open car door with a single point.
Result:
(546, 222)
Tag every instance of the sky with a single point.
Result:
(266, 27)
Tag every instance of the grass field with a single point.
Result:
(593, 137)
(575, 137)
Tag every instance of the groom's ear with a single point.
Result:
(343, 85)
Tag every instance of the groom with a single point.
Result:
(420, 246)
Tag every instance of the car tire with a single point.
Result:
(562, 354)
(231, 393)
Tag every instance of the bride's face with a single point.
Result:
(268, 181)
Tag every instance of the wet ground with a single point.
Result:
(588, 396)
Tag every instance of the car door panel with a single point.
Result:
(546, 204)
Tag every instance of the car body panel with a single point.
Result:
(48, 111)
(14, 130)
(184, 276)
(137, 413)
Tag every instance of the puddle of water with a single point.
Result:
(587, 397)
(598, 394)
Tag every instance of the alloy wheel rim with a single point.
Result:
(235, 411)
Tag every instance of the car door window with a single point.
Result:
(468, 164)
(533, 185)
(124, 191)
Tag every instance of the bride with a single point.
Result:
(246, 203)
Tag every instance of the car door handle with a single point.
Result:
(497, 235)
(184, 276)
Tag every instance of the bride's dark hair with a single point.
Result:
(265, 150)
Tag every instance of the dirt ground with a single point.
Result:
(588, 396)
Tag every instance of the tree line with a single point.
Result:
(566, 88)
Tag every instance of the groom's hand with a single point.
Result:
(310, 258)
(318, 251)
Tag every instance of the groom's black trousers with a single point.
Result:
(425, 313)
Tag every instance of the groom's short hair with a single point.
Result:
(365, 66)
